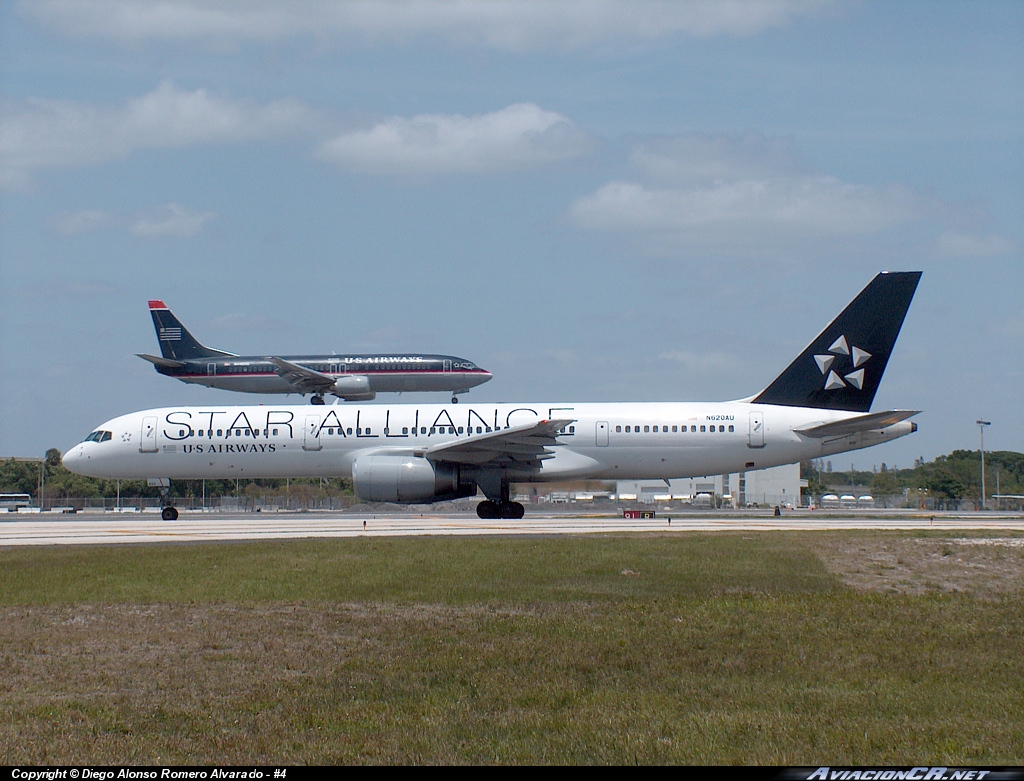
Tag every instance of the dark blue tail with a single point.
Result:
(842, 368)
(176, 342)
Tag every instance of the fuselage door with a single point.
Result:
(602, 433)
(756, 436)
(311, 436)
(147, 439)
(447, 365)
(211, 370)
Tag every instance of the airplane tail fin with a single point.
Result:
(842, 367)
(176, 343)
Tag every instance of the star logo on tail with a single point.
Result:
(843, 366)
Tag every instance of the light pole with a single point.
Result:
(981, 431)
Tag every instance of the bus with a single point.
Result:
(9, 503)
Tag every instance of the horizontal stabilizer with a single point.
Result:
(842, 428)
(167, 363)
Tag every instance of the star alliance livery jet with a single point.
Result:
(349, 377)
(417, 453)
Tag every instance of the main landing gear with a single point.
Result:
(317, 399)
(502, 508)
(490, 510)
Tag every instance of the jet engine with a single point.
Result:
(408, 479)
(355, 387)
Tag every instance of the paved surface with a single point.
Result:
(111, 528)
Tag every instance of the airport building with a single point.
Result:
(777, 486)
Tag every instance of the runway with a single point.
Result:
(111, 528)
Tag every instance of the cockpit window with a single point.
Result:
(99, 436)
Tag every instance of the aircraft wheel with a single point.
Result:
(169, 514)
(319, 400)
(518, 511)
(487, 509)
(455, 399)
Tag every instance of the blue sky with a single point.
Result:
(594, 200)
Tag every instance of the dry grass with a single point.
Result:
(987, 567)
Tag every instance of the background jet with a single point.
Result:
(349, 377)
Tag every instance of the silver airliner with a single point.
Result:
(819, 406)
(349, 377)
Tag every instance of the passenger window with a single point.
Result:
(405, 429)
(731, 429)
(647, 429)
(348, 431)
(702, 428)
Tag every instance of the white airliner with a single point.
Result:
(416, 453)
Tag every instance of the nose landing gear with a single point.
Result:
(169, 513)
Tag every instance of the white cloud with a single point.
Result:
(519, 136)
(746, 195)
(73, 223)
(964, 245)
(170, 220)
(514, 25)
(54, 133)
(704, 363)
(759, 209)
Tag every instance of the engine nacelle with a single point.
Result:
(407, 479)
(354, 387)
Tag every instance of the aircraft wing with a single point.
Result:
(841, 428)
(167, 363)
(304, 379)
(520, 446)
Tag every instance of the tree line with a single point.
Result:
(59, 486)
(947, 479)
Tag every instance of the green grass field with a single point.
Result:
(688, 648)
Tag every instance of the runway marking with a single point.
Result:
(212, 527)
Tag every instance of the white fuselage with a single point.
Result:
(629, 441)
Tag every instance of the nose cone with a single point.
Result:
(74, 459)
